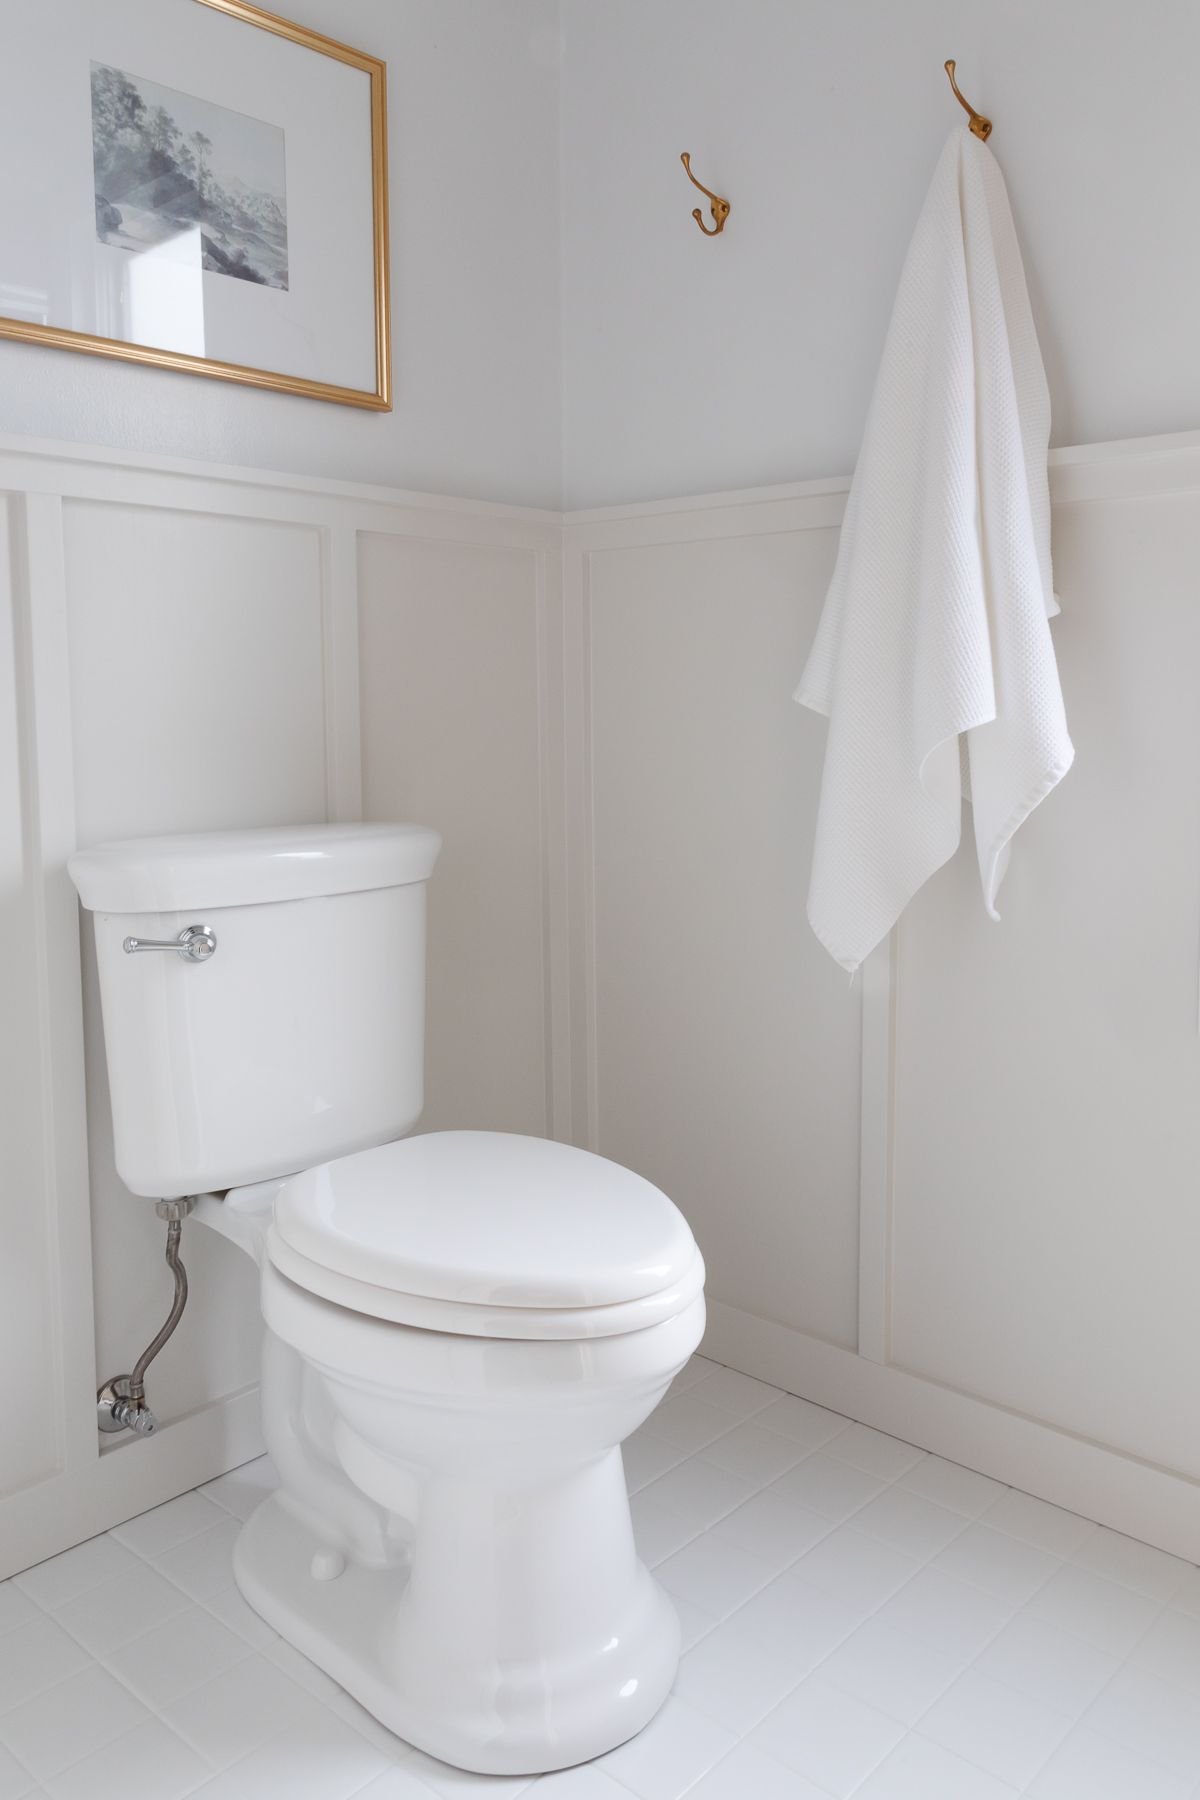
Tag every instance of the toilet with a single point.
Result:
(461, 1327)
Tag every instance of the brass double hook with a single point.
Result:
(719, 208)
(978, 124)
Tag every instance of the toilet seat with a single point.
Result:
(477, 1319)
(487, 1234)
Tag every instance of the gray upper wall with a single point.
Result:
(693, 365)
(562, 330)
(473, 129)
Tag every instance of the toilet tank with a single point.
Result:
(299, 1037)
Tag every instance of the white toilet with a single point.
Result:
(461, 1327)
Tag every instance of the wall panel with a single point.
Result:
(450, 657)
(726, 1043)
(1046, 1234)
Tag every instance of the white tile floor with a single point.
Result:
(860, 1619)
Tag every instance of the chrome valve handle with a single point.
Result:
(118, 1412)
(196, 942)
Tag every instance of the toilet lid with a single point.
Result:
(470, 1319)
(488, 1218)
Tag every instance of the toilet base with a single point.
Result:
(493, 1721)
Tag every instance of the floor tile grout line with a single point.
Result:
(49, 1686)
(767, 1756)
(156, 1717)
(1019, 1787)
(102, 1656)
(103, 1659)
(151, 1561)
(206, 1487)
(279, 1737)
(912, 1728)
(114, 1531)
(1107, 1735)
(156, 1714)
(111, 1533)
(872, 1615)
(24, 1766)
(254, 1650)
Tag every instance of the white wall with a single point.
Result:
(692, 365)
(473, 128)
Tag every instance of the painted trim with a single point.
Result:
(1168, 463)
(69, 462)
(50, 795)
(339, 631)
(551, 676)
(875, 1154)
(1122, 452)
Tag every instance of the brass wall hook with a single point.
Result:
(720, 208)
(978, 124)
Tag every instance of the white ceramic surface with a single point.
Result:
(243, 868)
(470, 1319)
(300, 1039)
(451, 1539)
(488, 1217)
(491, 1607)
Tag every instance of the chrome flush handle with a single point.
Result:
(195, 942)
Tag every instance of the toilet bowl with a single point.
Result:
(474, 1583)
(461, 1327)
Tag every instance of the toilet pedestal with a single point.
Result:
(527, 1636)
(476, 1586)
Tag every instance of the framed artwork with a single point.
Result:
(197, 185)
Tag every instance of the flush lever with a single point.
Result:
(196, 942)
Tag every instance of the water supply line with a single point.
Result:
(121, 1402)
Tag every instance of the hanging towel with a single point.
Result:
(935, 633)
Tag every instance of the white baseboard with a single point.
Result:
(1160, 1507)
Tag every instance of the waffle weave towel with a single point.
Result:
(935, 633)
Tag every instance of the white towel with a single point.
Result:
(936, 620)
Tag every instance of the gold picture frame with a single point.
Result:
(380, 398)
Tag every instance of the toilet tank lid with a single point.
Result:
(244, 868)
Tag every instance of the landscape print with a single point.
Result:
(167, 164)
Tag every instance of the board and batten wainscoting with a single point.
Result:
(955, 1199)
(958, 1199)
